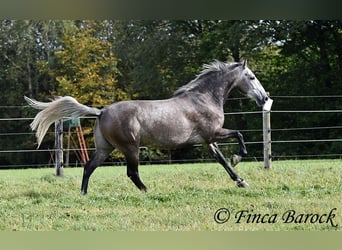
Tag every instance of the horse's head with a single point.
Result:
(249, 85)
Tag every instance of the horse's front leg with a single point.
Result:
(223, 134)
(220, 158)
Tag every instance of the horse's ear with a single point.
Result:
(244, 63)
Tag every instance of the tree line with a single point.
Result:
(100, 62)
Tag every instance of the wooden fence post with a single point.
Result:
(266, 117)
(59, 148)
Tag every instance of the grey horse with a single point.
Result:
(193, 115)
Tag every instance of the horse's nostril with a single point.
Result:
(266, 99)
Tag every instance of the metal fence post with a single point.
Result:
(59, 148)
(266, 117)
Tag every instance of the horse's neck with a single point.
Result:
(230, 79)
(211, 90)
(203, 100)
(221, 89)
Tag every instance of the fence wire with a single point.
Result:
(5, 150)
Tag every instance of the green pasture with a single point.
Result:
(181, 197)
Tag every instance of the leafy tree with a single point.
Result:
(156, 57)
(23, 44)
(87, 69)
(309, 63)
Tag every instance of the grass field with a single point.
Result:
(180, 197)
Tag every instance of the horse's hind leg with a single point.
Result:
(103, 149)
(132, 158)
(98, 158)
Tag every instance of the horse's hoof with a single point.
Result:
(236, 159)
(242, 183)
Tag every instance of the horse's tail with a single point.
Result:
(57, 109)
